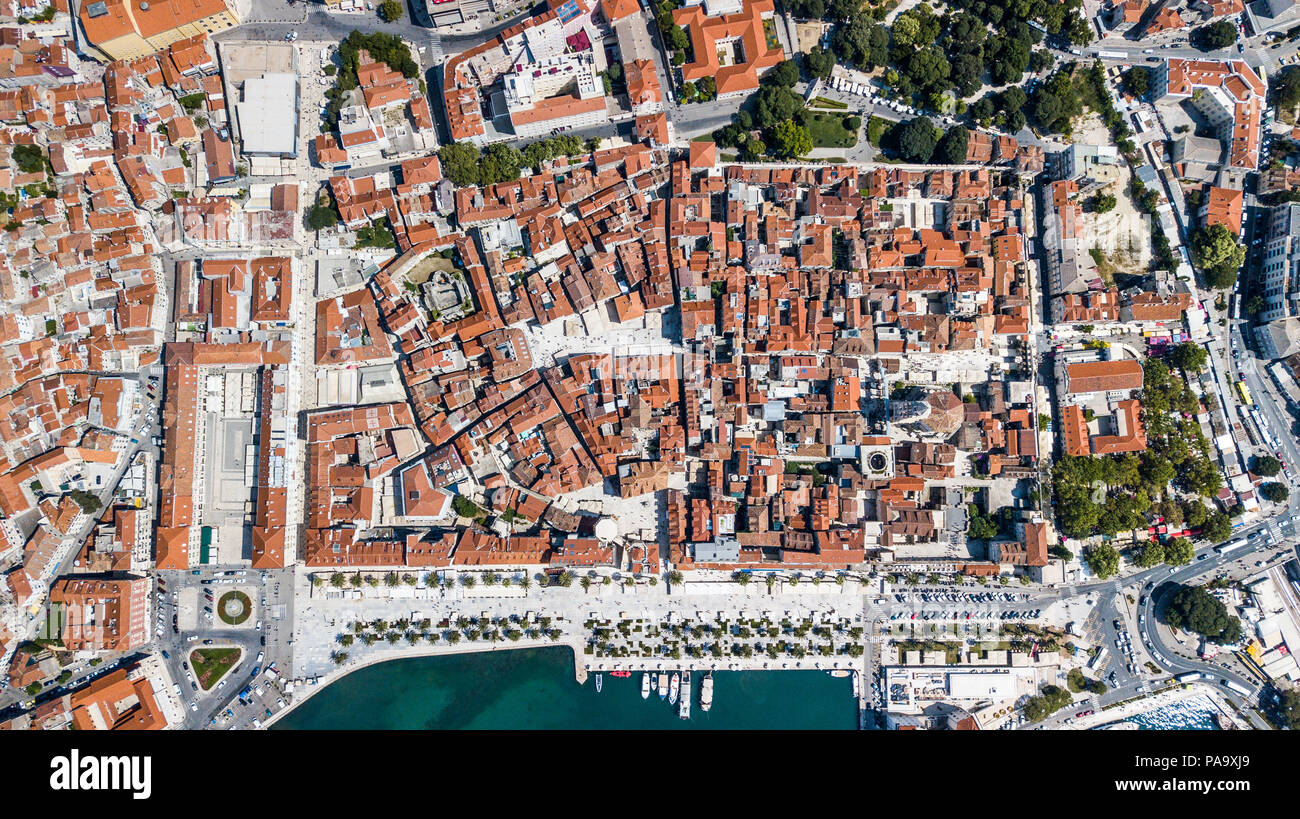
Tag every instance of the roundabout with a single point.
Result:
(234, 608)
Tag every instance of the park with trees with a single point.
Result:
(1110, 494)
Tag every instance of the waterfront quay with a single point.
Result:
(698, 626)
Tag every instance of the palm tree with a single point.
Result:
(316, 581)
(467, 580)
(391, 579)
(741, 577)
(566, 578)
(339, 657)
(356, 581)
(585, 583)
(345, 639)
(337, 580)
(525, 582)
(453, 637)
(674, 576)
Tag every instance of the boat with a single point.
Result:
(597, 683)
(645, 685)
(620, 673)
(706, 692)
(685, 710)
(839, 673)
(663, 685)
(855, 685)
(673, 686)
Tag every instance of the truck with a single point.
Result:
(1098, 660)
(1238, 687)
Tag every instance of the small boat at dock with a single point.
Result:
(598, 683)
(663, 685)
(620, 673)
(706, 692)
(856, 690)
(673, 686)
(839, 673)
(645, 685)
(685, 711)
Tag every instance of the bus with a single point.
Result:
(1231, 546)
(1244, 392)
(1190, 676)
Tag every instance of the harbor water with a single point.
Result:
(1192, 714)
(535, 689)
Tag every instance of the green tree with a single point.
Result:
(1103, 203)
(322, 215)
(460, 163)
(1285, 87)
(391, 10)
(1192, 608)
(1290, 708)
(1152, 553)
(951, 150)
(1274, 491)
(786, 74)
(917, 140)
(1189, 357)
(1217, 252)
(1103, 561)
(86, 500)
(1217, 528)
(791, 139)
(1265, 466)
(1215, 36)
(1137, 81)
(31, 158)
(819, 62)
(1179, 552)
(774, 104)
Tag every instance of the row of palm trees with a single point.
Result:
(498, 629)
(468, 580)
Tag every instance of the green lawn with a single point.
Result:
(823, 102)
(829, 131)
(211, 664)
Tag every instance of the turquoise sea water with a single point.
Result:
(534, 688)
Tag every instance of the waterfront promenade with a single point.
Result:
(323, 613)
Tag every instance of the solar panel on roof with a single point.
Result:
(97, 9)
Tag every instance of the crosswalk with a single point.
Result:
(431, 53)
